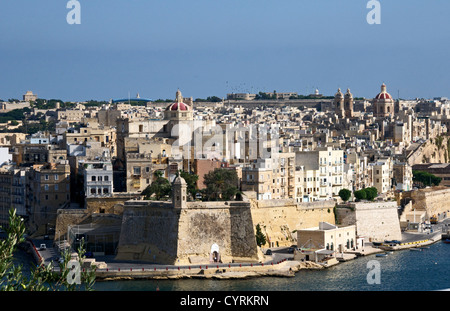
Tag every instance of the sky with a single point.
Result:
(214, 47)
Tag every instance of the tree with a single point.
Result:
(425, 178)
(260, 237)
(345, 194)
(221, 185)
(160, 187)
(360, 195)
(191, 181)
(371, 193)
(41, 278)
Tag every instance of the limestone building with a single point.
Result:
(29, 96)
(383, 104)
(327, 239)
(181, 232)
(338, 104)
(319, 174)
(348, 104)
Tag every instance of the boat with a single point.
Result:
(446, 241)
(381, 255)
(377, 244)
(416, 249)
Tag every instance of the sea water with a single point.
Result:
(404, 270)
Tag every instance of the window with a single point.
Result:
(105, 190)
(93, 178)
(46, 177)
(136, 170)
(56, 187)
(106, 178)
(56, 177)
(46, 187)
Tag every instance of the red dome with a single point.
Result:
(178, 106)
(383, 96)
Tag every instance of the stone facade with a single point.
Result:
(158, 232)
(279, 219)
(432, 200)
(375, 221)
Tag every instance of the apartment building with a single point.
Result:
(382, 171)
(271, 178)
(47, 189)
(319, 174)
(98, 178)
(106, 136)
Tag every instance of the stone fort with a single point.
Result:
(182, 232)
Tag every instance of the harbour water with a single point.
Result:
(405, 270)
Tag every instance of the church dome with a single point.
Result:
(383, 95)
(178, 105)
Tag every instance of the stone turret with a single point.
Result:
(339, 104)
(179, 193)
(348, 104)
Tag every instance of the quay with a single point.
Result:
(280, 264)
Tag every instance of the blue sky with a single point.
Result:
(215, 47)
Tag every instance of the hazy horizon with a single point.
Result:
(208, 48)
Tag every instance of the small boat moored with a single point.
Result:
(446, 241)
(381, 255)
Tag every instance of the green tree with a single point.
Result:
(371, 193)
(360, 195)
(260, 237)
(345, 194)
(160, 187)
(221, 185)
(425, 178)
(41, 278)
(191, 181)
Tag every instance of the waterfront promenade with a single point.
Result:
(280, 263)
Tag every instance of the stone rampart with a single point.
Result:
(376, 221)
(159, 233)
(279, 219)
(66, 218)
(432, 200)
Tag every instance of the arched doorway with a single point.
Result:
(215, 253)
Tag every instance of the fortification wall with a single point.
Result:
(376, 221)
(108, 205)
(279, 219)
(432, 200)
(66, 218)
(163, 234)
